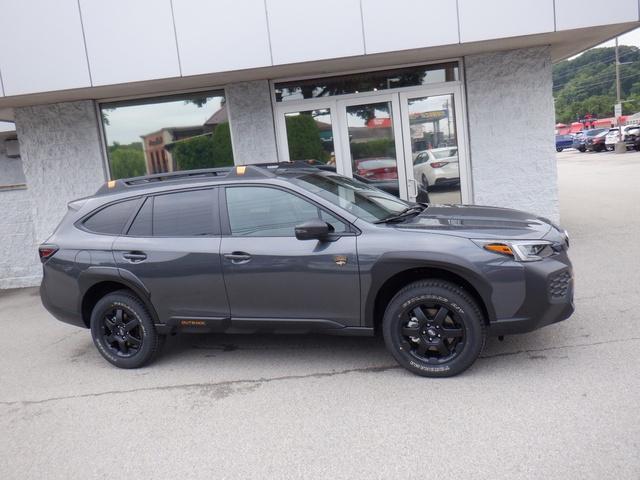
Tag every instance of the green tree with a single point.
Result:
(379, 147)
(205, 151)
(303, 136)
(222, 145)
(127, 160)
(586, 84)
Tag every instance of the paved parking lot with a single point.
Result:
(559, 403)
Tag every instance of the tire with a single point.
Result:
(425, 182)
(582, 149)
(558, 149)
(418, 308)
(123, 318)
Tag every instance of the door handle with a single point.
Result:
(135, 257)
(414, 187)
(238, 257)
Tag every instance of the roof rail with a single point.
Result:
(159, 177)
(244, 171)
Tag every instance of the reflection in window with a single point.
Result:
(367, 81)
(167, 134)
(310, 137)
(269, 212)
(434, 147)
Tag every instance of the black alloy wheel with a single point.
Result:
(123, 331)
(434, 328)
(432, 332)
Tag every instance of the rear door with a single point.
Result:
(173, 247)
(271, 275)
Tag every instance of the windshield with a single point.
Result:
(593, 133)
(358, 198)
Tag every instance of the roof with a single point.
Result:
(219, 116)
(239, 172)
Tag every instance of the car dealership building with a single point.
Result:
(394, 91)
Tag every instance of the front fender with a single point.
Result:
(388, 265)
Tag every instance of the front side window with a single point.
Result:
(111, 219)
(360, 199)
(270, 212)
(167, 134)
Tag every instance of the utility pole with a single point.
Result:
(617, 73)
(621, 147)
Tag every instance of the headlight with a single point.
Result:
(520, 250)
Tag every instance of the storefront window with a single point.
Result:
(367, 81)
(167, 134)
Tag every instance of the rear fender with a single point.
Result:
(94, 275)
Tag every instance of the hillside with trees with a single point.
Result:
(587, 84)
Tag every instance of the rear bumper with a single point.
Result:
(66, 316)
(550, 291)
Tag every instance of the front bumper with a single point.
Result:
(549, 298)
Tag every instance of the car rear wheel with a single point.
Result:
(558, 149)
(434, 328)
(425, 182)
(123, 331)
(582, 149)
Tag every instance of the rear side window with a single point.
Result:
(111, 219)
(184, 214)
(141, 226)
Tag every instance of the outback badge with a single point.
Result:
(341, 260)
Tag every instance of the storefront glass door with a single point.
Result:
(409, 141)
(432, 146)
(371, 139)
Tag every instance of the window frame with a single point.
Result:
(225, 223)
(80, 223)
(145, 100)
(216, 213)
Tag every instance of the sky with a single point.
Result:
(631, 38)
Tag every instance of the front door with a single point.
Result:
(271, 275)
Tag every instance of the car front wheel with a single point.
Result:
(123, 331)
(434, 328)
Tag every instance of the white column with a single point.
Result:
(511, 130)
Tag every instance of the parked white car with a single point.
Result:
(614, 136)
(436, 166)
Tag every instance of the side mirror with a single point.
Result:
(315, 229)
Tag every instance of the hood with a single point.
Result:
(472, 221)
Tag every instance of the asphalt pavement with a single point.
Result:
(559, 403)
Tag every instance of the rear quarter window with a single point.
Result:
(111, 219)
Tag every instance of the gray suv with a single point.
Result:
(289, 248)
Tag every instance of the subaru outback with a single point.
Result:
(295, 249)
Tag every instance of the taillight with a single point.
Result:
(46, 252)
(438, 164)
